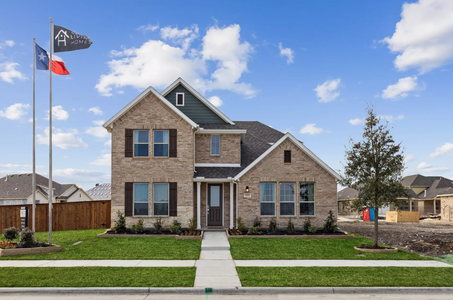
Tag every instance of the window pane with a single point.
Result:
(160, 149)
(141, 192)
(160, 192)
(161, 209)
(287, 191)
(141, 136)
(141, 150)
(287, 209)
(307, 192)
(307, 209)
(141, 209)
(161, 136)
(267, 209)
(267, 192)
(215, 144)
(215, 195)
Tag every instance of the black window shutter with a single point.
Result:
(173, 199)
(287, 156)
(128, 199)
(129, 143)
(173, 143)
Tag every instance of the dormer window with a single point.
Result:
(179, 99)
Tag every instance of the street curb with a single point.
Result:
(232, 291)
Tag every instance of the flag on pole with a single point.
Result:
(67, 40)
(42, 62)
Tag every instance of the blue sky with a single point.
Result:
(308, 67)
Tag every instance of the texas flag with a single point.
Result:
(42, 62)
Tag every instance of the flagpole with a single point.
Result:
(33, 178)
(50, 193)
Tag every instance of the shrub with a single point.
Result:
(273, 226)
(120, 223)
(312, 229)
(10, 233)
(27, 239)
(307, 224)
(158, 225)
(137, 228)
(175, 227)
(290, 228)
(241, 225)
(257, 222)
(329, 224)
(253, 230)
(193, 223)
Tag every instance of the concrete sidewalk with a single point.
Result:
(342, 263)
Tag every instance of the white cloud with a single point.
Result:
(98, 131)
(401, 88)
(60, 139)
(391, 118)
(183, 37)
(356, 121)
(425, 167)
(58, 113)
(15, 111)
(327, 91)
(286, 52)
(78, 176)
(108, 143)
(445, 149)
(409, 157)
(216, 101)
(104, 160)
(424, 36)
(9, 43)
(9, 72)
(96, 110)
(149, 27)
(158, 64)
(311, 129)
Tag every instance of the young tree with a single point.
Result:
(374, 167)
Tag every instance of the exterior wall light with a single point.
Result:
(247, 189)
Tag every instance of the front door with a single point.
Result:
(214, 208)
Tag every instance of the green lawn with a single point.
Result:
(345, 276)
(93, 247)
(309, 249)
(97, 277)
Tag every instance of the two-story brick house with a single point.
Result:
(177, 156)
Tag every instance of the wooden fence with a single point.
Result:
(65, 216)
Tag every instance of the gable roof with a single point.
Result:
(100, 191)
(124, 110)
(194, 92)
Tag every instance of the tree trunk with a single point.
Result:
(376, 232)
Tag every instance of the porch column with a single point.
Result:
(198, 205)
(410, 205)
(435, 208)
(231, 205)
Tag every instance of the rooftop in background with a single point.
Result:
(100, 191)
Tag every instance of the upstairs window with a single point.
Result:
(287, 155)
(141, 143)
(179, 99)
(215, 144)
(160, 143)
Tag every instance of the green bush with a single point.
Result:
(175, 227)
(120, 223)
(158, 225)
(10, 233)
(273, 226)
(241, 225)
(329, 224)
(312, 229)
(307, 224)
(253, 230)
(193, 223)
(257, 222)
(290, 228)
(27, 239)
(137, 228)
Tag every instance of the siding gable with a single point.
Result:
(196, 110)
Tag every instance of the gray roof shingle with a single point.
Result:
(100, 191)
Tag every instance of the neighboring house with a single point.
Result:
(177, 156)
(17, 189)
(424, 191)
(100, 191)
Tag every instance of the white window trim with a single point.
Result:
(211, 144)
(275, 202)
(183, 99)
(133, 200)
(154, 143)
(134, 143)
(314, 200)
(168, 200)
(293, 202)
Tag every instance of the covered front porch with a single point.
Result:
(215, 202)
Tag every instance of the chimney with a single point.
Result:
(97, 184)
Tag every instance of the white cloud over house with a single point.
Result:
(183, 37)
(58, 113)
(9, 43)
(402, 88)
(98, 131)
(149, 27)
(356, 121)
(427, 168)
(216, 101)
(96, 110)
(8, 72)
(104, 160)
(311, 129)
(328, 91)
(424, 35)
(286, 52)
(61, 139)
(445, 149)
(409, 158)
(15, 111)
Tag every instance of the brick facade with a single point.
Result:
(230, 149)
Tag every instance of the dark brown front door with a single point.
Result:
(215, 205)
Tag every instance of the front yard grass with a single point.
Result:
(93, 247)
(345, 276)
(310, 249)
(97, 277)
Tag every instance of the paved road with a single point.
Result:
(236, 297)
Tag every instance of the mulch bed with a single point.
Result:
(264, 233)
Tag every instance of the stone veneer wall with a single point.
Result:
(446, 206)
(230, 149)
